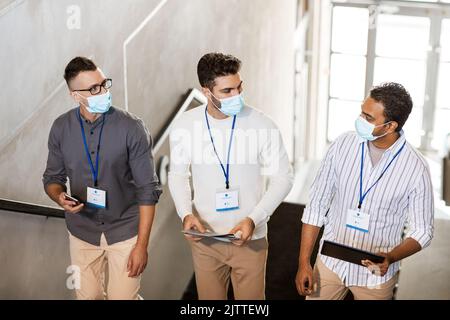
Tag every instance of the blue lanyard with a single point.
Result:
(227, 172)
(94, 171)
(362, 195)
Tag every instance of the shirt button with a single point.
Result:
(92, 132)
(92, 152)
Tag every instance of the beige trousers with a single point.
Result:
(328, 286)
(216, 262)
(104, 267)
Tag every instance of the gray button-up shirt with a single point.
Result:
(126, 172)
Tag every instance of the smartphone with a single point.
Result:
(70, 198)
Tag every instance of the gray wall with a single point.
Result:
(160, 53)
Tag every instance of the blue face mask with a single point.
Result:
(365, 129)
(230, 106)
(99, 103)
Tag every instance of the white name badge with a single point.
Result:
(227, 199)
(358, 220)
(96, 197)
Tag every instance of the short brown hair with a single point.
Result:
(77, 65)
(215, 64)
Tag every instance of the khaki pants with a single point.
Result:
(330, 287)
(215, 262)
(94, 261)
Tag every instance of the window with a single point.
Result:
(371, 44)
(401, 56)
(347, 68)
(442, 115)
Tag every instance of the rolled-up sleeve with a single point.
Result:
(322, 190)
(420, 221)
(55, 171)
(139, 144)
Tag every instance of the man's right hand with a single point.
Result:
(304, 279)
(192, 222)
(69, 206)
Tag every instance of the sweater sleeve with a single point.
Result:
(179, 172)
(275, 166)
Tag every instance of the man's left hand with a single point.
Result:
(380, 269)
(245, 228)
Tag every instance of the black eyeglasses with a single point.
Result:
(97, 88)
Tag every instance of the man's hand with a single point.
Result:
(137, 261)
(304, 279)
(380, 269)
(192, 222)
(68, 205)
(245, 230)
(407, 248)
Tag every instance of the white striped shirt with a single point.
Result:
(403, 197)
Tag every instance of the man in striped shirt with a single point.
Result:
(370, 186)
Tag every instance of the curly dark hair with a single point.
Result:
(215, 64)
(396, 100)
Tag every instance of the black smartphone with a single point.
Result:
(70, 198)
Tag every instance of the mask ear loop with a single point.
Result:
(384, 124)
(385, 134)
(80, 101)
(213, 101)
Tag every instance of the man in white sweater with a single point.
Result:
(240, 174)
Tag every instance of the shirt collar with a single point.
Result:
(397, 144)
(97, 121)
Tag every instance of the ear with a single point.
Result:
(74, 96)
(393, 126)
(206, 92)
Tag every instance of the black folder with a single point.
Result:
(349, 254)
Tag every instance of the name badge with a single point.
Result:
(96, 197)
(358, 220)
(227, 199)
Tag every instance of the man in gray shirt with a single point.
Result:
(106, 153)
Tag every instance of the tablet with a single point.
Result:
(218, 236)
(349, 254)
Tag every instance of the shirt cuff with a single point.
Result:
(258, 217)
(184, 214)
(48, 181)
(150, 199)
(423, 237)
(308, 217)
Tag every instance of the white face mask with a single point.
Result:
(365, 129)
